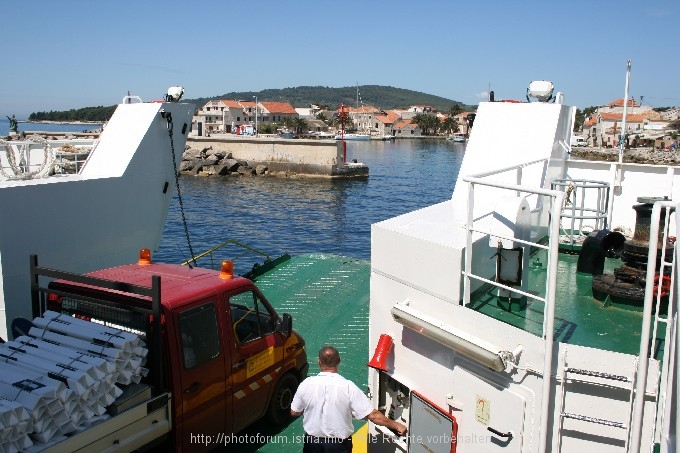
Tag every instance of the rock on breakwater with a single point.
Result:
(633, 155)
(267, 156)
(210, 162)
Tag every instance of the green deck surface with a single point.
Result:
(328, 297)
(579, 318)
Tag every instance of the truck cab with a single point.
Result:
(224, 354)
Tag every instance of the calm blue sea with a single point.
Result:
(297, 216)
(46, 127)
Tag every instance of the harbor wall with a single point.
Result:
(322, 158)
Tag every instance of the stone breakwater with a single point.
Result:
(634, 155)
(267, 156)
(210, 162)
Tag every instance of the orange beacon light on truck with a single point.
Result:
(144, 257)
(227, 271)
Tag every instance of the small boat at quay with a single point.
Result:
(353, 137)
(542, 299)
(86, 204)
(458, 137)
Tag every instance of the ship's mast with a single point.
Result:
(622, 137)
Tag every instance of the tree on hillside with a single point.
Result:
(338, 120)
(581, 117)
(449, 125)
(429, 124)
(456, 109)
(300, 125)
(288, 122)
(267, 128)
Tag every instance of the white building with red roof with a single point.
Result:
(603, 128)
(227, 116)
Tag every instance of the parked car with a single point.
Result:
(578, 141)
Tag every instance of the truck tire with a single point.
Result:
(279, 407)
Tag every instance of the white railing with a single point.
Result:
(651, 317)
(665, 429)
(39, 158)
(577, 207)
(557, 203)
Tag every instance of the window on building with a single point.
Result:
(200, 339)
(238, 118)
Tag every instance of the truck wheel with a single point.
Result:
(279, 407)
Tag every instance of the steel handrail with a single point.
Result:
(551, 280)
(643, 363)
(224, 244)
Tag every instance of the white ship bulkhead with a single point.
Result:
(101, 217)
(445, 352)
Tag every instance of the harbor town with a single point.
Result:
(414, 311)
(248, 138)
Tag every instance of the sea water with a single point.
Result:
(295, 216)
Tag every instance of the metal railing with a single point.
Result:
(556, 205)
(40, 158)
(210, 253)
(651, 317)
(581, 205)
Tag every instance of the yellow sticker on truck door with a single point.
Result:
(260, 361)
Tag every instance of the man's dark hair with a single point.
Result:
(329, 357)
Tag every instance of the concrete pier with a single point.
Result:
(312, 158)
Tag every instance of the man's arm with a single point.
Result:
(295, 414)
(379, 418)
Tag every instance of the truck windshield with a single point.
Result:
(251, 317)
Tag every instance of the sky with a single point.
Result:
(59, 55)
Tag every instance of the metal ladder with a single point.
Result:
(582, 375)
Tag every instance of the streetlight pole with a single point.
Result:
(255, 114)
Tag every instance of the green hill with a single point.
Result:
(383, 97)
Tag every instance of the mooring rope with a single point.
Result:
(21, 170)
(179, 193)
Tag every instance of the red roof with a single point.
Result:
(231, 104)
(619, 103)
(402, 124)
(362, 109)
(279, 107)
(634, 118)
(388, 118)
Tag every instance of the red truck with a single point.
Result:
(219, 356)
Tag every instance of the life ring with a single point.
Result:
(665, 285)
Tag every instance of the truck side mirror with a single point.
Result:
(285, 325)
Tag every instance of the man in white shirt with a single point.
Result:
(329, 402)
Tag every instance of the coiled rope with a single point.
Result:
(21, 170)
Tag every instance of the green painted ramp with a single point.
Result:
(328, 297)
